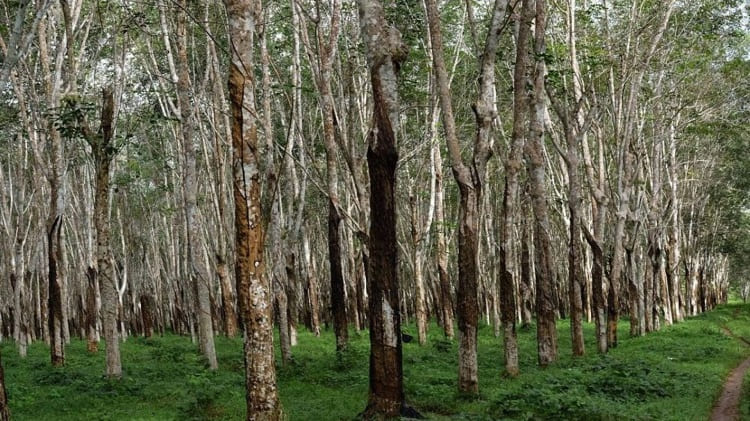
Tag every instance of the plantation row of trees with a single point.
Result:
(201, 169)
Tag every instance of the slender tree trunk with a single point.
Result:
(313, 297)
(227, 298)
(599, 213)
(282, 320)
(385, 51)
(470, 180)
(526, 285)
(338, 288)
(197, 270)
(104, 152)
(55, 253)
(323, 84)
(92, 334)
(418, 241)
(253, 289)
(446, 290)
(533, 149)
(573, 135)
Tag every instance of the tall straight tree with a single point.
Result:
(55, 176)
(534, 151)
(485, 112)
(385, 52)
(445, 290)
(470, 180)
(253, 289)
(322, 71)
(103, 151)
(198, 272)
(574, 127)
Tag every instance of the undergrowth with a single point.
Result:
(673, 374)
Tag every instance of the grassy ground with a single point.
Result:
(673, 374)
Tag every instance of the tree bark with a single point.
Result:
(533, 149)
(104, 152)
(470, 180)
(55, 254)
(197, 270)
(253, 289)
(446, 290)
(485, 113)
(385, 51)
(92, 335)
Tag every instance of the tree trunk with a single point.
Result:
(441, 253)
(92, 335)
(227, 298)
(147, 315)
(470, 182)
(104, 152)
(282, 320)
(54, 297)
(338, 288)
(418, 239)
(485, 112)
(534, 151)
(253, 289)
(385, 51)
(197, 270)
(526, 285)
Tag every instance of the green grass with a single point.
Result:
(673, 374)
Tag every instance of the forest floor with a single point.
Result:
(674, 374)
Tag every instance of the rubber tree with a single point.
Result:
(385, 51)
(535, 164)
(200, 280)
(322, 69)
(470, 179)
(253, 288)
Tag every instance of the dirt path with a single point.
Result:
(727, 408)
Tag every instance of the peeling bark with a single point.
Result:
(253, 288)
(385, 51)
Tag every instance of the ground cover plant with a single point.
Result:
(676, 374)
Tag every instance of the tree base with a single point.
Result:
(371, 413)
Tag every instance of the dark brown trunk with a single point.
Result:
(92, 343)
(386, 373)
(147, 315)
(385, 51)
(338, 288)
(54, 297)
